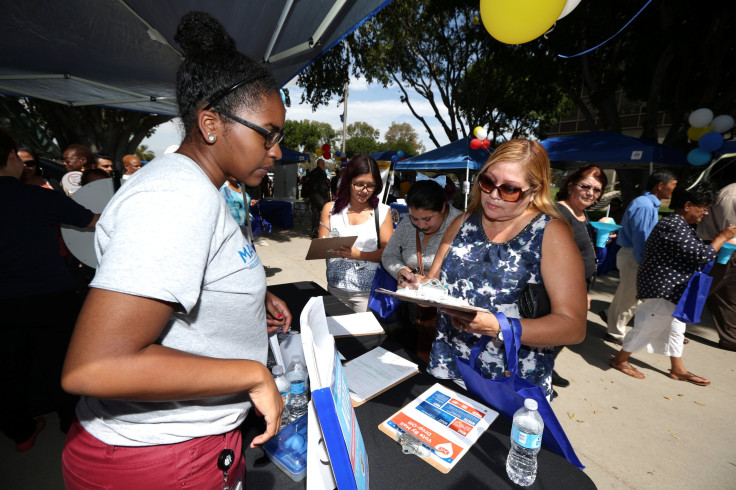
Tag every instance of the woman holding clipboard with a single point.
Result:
(356, 211)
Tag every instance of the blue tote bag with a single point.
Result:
(507, 394)
(693, 299)
(384, 306)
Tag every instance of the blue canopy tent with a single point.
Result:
(291, 156)
(611, 150)
(454, 156)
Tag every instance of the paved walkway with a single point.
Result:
(652, 433)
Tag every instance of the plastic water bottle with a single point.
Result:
(298, 378)
(283, 385)
(526, 439)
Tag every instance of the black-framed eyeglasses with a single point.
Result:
(362, 187)
(586, 187)
(506, 192)
(272, 137)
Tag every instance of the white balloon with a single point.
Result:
(569, 7)
(700, 118)
(722, 123)
(481, 134)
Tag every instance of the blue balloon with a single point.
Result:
(698, 157)
(400, 153)
(710, 141)
(337, 153)
(395, 158)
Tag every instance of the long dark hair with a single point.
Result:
(359, 165)
(580, 174)
(212, 67)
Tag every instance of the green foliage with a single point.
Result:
(360, 145)
(403, 137)
(306, 135)
(144, 154)
(363, 130)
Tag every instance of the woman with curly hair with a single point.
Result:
(170, 348)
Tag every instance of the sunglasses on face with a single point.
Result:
(586, 187)
(506, 192)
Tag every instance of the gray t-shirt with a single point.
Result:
(168, 234)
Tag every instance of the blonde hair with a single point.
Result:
(534, 161)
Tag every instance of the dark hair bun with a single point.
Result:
(200, 34)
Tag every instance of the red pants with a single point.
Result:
(88, 463)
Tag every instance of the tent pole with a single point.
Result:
(467, 179)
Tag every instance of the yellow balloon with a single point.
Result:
(318, 152)
(475, 131)
(694, 134)
(475, 20)
(519, 21)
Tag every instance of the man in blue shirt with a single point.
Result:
(638, 221)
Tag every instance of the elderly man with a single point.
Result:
(76, 159)
(132, 164)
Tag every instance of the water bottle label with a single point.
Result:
(298, 388)
(529, 441)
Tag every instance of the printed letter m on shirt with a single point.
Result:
(247, 253)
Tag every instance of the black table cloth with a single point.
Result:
(484, 466)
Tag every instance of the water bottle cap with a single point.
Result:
(531, 404)
(277, 370)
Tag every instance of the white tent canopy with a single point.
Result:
(122, 53)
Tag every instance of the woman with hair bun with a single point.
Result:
(170, 348)
(356, 211)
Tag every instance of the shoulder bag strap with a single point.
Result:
(378, 234)
(419, 253)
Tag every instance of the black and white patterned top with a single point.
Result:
(672, 254)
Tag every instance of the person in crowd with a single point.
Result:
(32, 172)
(580, 190)
(722, 296)
(357, 211)
(319, 188)
(638, 221)
(169, 351)
(93, 175)
(132, 164)
(511, 235)
(616, 210)
(415, 237)
(76, 159)
(334, 181)
(236, 202)
(104, 162)
(672, 254)
(37, 296)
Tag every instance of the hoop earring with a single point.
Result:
(211, 138)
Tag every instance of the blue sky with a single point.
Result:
(372, 104)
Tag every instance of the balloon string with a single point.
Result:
(604, 42)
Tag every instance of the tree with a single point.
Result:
(306, 135)
(403, 137)
(360, 145)
(144, 154)
(362, 129)
(115, 131)
(426, 48)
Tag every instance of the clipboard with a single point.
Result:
(320, 248)
(384, 370)
(432, 302)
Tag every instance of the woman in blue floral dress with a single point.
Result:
(511, 235)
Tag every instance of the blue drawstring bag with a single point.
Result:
(693, 299)
(507, 394)
(384, 306)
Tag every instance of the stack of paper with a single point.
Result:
(375, 372)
